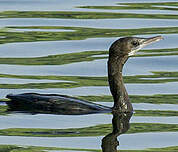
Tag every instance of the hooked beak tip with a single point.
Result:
(153, 39)
(159, 38)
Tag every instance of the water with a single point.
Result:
(91, 23)
(39, 49)
(45, 5)
(141, 140)
(20, 120)
(147, 106)
(133, 89)
(95, 68)
(24, 81)
(14, 74)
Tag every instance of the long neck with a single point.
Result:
(117, 88)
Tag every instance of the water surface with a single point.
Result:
(91, 23)
(37, 49)
(133, 89)
(134, 66)
(141, 140)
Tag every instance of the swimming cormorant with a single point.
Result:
(119, 52)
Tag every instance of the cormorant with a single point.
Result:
(119, 52)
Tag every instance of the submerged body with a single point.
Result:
(53, 104)
(119, 53)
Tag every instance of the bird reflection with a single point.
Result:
(120, 123)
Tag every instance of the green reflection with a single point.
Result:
(83, 15)
(84, 81)
(154, 99)
(80, 33)
(3, 110)
(173, 6)
(156, 113)
(164, 113)
(99, 130)
(69, 58)
(16, 148)
(55, 59)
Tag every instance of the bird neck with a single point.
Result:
(116, 83)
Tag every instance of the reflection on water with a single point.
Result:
(53, 5)
(17, 120)
(133, 141)
(41, 30)
(44, 48)
(133, 89)
(147, 106)
(96, 67)
(130, 11)
(120, 124)
(38, 49)
(24, 81)
(92, 23)
(74, 41)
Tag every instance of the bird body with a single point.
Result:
(53, 104)
(119, 53)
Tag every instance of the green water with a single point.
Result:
(81, 63)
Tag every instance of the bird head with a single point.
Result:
(128, 46)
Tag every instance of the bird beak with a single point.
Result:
(150, 40)
(144, 42)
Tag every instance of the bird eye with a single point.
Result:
(135, 43)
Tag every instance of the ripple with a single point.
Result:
(134, 66)
(133, 89)
(165, 6)
(45, 5)
(44, 48)
(152, 119)
(147, 106)
(132, 141)
(67, 5)
(166, 78)
(122, 23)
(53, 121)
(148, 140)
(38, 49)
(20, 120)
(24, 81)
(41, 30)
(134, 11)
